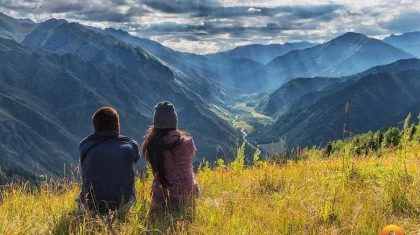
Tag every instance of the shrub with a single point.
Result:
(220, 163)
(328, 150)
(239, 162)
(256, 158)
(413, 130)
(392, 137)
(378, 137)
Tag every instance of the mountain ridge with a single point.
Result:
(262, 53)
(373, 98)
(409, 42)
(345, 55)
(82, 72)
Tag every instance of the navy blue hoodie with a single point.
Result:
(108, 170)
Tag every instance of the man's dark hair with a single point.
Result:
(105, 118)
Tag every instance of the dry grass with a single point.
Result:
(242, 124)
(310, 196)
(255, 114)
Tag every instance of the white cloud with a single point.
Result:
(252, 9)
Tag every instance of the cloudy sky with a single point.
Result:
(205, 26)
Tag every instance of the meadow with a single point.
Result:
(314, 191)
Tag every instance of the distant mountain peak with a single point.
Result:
(54, 21)
(25, 21)
(19, 20)
(4, 15)
(350, 36)
(409, 36)
(262, 53)
(119, 32)
(116, 30)
(409, 42)
(354, 34)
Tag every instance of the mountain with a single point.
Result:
(12, 28)
(229, 68)
(398, 118)
(302, 91)
(63, 72)
(345, 55)
(194, 66)
(409, 42)
(60, 31)
(224, 69)
(292, 90)
(374, 98)
(261, 53)
(185, 62)
(25, 21)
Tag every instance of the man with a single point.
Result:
(107, 160)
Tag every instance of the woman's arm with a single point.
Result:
(189, 147)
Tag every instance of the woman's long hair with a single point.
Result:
(153, 150)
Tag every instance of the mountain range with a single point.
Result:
(409, 42)
(345, 55)
(228, 68)
(61, 72)
(15, 29)
(257, 68)
(262, 54)
(311, 111)
(55, 74)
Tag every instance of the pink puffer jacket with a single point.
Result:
(178, 172)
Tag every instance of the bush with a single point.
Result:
(378, 137)
(392, 137)
(416, 136)
(239, 162)
(328, 150)
(412, 132)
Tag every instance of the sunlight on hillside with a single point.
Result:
(255, 114)
(308, 194)
(242, 124)
(222, 113)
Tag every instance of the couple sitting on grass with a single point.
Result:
(108, 164)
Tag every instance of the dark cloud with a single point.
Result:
(308, 12)
(51, 7)
(107, 10)
(223, 25)
(181, 6)
(88, 10)
(403, 23)
(212, 9)
(281, 19)
(23, 6)
(109, 15)
(103, 16)
(209, 29)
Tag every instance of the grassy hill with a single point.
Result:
(356, 186)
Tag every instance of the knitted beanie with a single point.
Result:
(165, 116)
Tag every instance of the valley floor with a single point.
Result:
(313, 195)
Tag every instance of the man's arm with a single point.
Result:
(81, 150)
(136, 152)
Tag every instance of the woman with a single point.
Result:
(170, 151)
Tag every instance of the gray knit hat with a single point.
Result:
(165, 116)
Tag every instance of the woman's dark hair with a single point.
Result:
(153, 150)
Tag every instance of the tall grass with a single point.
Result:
(339, 194)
